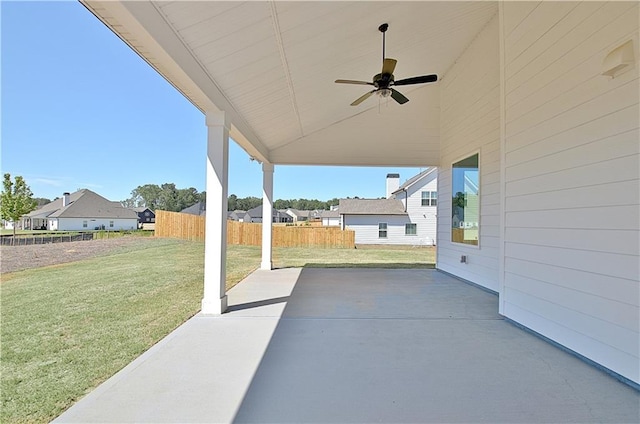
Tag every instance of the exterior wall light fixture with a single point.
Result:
(619, 60)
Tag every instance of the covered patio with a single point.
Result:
(357, 345)
(537, 100)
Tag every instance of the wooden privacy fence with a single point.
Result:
(191, 227)
(179, 225)
(313, 236)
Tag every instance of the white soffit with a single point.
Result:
(272, 66)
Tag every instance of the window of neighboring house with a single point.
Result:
(111, 224)
(382, 230)
(465, 210)
(410, 229)
(429, 198)
(84, 224)
(146, 213)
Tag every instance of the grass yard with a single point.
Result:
(363, 257)
(66, 328)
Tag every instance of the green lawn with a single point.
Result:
(363, 257)
(67, 328)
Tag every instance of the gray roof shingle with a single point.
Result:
(84, 204)
(198, 208)
(371, 207)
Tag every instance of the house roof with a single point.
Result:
(142, 209)
(255, 212)
(371, 207)
(413, 180)
(195, 209)
(84, 204)
(328, 214)
(272, 66)
(298, 213)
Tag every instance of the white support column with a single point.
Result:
(215, 249)
(267, 213)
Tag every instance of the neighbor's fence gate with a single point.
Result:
(23, 240)
(191, 227)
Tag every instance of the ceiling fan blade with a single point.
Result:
(417, 80)
(398, 97)
(388, 66)
(341, 81)
(362, 98)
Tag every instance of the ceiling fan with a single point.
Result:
(385, 81)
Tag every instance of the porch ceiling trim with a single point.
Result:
(270, 67)
(143, 28)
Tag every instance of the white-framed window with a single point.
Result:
(465, 209)
(410, 229)
(111, 224)
(85, 224)
(382, 230)
(429, 198)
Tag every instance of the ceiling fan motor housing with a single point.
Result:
(382, 80)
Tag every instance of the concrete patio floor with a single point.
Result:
(357, 346)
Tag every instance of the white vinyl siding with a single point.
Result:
(571, 160)
(470, 113)
(425, 217)
(330, 222)
(367, 228)
(75, 224)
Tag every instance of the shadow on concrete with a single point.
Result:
(257, 304)
(417, 346)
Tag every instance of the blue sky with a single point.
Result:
(82, 110)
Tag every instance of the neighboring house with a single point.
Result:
(329, 218)
(419, 194)
(255, 215)
(377, 221)
(196, 209)
(237, 215)
(145, 216)
(298, 215)
(281, 216)
(407, 216)
(82, 210)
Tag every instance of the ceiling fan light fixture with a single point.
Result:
(384, 92)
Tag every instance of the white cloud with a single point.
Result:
(47, 181)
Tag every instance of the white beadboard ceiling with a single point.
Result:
(271, 65)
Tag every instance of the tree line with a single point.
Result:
(169, 198)
(165, 196)
(246, 203)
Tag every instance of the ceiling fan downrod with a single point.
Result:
(383, 29)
